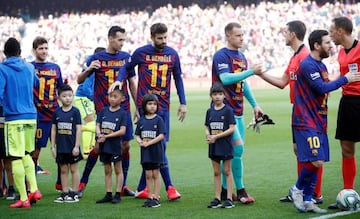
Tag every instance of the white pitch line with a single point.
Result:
(341, 213)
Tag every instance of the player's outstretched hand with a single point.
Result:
(182, 112)
(258, 69)
(112, 87)
(353, 76)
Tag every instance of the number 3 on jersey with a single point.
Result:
(163, 69)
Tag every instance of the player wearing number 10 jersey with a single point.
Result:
(45, 96)
(157, 63)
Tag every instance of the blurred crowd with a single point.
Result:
(195, 32)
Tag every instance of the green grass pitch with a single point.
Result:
(269, 170)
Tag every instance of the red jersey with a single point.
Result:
(350, 61)
(293, 66)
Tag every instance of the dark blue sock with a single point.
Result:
(165, 173)
(125, 167)
(4, 180)
(306, 175)
(90, 163)
(309, 187)
(58, 180)
(142, 182)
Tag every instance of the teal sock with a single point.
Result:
(223, 176)
(237, 166)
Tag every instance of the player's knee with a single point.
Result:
(238, 151)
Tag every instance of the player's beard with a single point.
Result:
(160, 46)
(323, 54)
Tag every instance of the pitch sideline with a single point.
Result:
(341, 213)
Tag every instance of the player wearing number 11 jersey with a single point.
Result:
(45, 96)
(157, 63)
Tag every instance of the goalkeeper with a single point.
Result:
(230, 68)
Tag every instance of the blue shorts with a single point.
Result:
(43, 131)
(129, 128)
(311, 145)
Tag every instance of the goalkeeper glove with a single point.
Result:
(258, 122)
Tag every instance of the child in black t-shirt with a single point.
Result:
(110, 126)
(150, 133)
(65, 143)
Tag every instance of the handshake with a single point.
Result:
(258, 122)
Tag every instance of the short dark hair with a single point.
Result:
(117, 88)
(12, 47)
(147, 98)
(297, 27)
(158, 28)
(39, 41)
(230, 26)
(99, 49)
(217, 87)
(316, 37)
(63, 88)
(343, 23)
(114, 29)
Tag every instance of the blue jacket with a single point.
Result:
(86, 89)
(17, 81)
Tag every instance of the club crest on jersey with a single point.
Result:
(315, 75)
(314, 152)
(240, 63)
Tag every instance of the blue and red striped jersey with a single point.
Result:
(230, 61)
(45, 96)
(111, 63)
(310, 106)
(155, 69)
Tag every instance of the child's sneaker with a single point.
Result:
(21, 204)
(147, 202)
(116, 199)
(215, 203)
(107, 198)
(151, 203)
(154, 203)
(228, 204)
(11, 194)
(61, 198)
(71, 197)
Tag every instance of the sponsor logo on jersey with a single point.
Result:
(315, 75)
